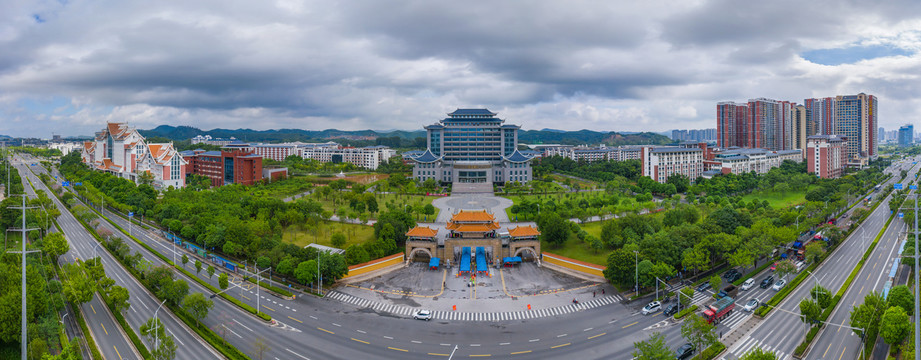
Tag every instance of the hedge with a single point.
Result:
(124, 324)
(681, 314)
(229, 351)
(711, 352)
(87, 335)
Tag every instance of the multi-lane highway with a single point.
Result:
(782, 330)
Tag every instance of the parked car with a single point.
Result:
(423, 315)
(735, 276)
(730, 273)
(684, 352)
(751, 305)
(774, 266)
(748, 284)
(652, 307)
(767, 281)
(672, 309)
(703, 286)
(779, 284)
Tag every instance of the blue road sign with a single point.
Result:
(901, 215)
(897, 186)
(78, 184)
(913, 187)
(65, 183)
(130, 214)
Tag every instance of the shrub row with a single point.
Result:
(87, 335)
(681, 314)
(711, 352)
(226, 349)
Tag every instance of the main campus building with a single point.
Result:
(472, 146)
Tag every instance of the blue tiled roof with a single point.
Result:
(426, 157)
(510, 126)
(251, 156)
(237, 143)
(517, 156)
(187, 153)
(212, 153)
(472, 112)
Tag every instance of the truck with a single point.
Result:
(716, 312)
(730, 290)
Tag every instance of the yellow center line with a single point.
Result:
(826, 350)
(521, 352)
(94, 309)
(592, 337)
(842, 353)
(480, 355)
(104, 328)
(561, 345)
(437, 354)
(268, 307)
(361, 341)
(397, 349)
(322, 329)
(629, 325)
(245, 297)
(116, 352)
(295, 319)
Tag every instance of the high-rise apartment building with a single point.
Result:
(906, 135)
(800, 129)
(856, 119)
(820, 113)
(732, 125)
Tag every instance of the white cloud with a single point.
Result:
(629, 66)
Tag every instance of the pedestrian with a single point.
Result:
(602, 291)
(593, 294)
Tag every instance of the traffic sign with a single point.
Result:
(901, 214)
(65, 183)
(130, 213)
(897, 186)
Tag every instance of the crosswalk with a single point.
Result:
(476, 316)
(750, 343)
(738, 315)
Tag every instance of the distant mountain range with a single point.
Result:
(545, 136)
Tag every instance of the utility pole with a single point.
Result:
(917, 303)
(23, 229)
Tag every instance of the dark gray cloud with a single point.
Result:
(399, 65)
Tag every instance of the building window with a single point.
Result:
(174, 168)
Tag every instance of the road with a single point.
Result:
(143, 304)
(782, 330)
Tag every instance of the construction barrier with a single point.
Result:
(364, 268)
(573, 264)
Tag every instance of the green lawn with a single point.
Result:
(576, 249)
(778, 200)
(354, 234)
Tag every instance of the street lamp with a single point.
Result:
(636, 264)
(157, 322)
(94, 248)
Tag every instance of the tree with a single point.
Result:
(681, 182)
(810, 310)
(185, 259)
(222, 281)
(620, 268)
(332, 267)
(145, 178)
(152, 329)
(261, 347)
(210, 271)
(697, 331)
(821, 295)
(759, 354)
(815, 251)
(118, 298)
(55, 245)
(174, 291)
(894, 325)
(866, 316)
(653, 348)
(263, 262)
(783, 268)
(715, 282)
(78, 287)
(306, 272)
(338, 240)
(166, 350)
(901, 296)
(197, 305)
(554, 229)
(197, 266)
(687, 294)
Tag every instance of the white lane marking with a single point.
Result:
(313, 317)
(361, 331)
(388, 337)
(298, 355)
(175, 337)
(415, 341)
(334, 324)
(561, 335)
(234, 332)
(589, 329)
(244, 326)
(504, 343)
(533, 340)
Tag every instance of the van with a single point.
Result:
(800, 266)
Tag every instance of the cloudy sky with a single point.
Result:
(69, 66)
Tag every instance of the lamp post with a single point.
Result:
(797, 221)
(636, 264)
(94, 248)
(157, 322)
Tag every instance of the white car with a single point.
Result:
(423, 315)
(751, 305)
(652, 307)
(748, 284)
(779, 284)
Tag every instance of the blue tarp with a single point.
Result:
(465, 260)
(895, 268)
(481, 259)
(434, 262)
(783, 256)
(516, 259)
(797, 244)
